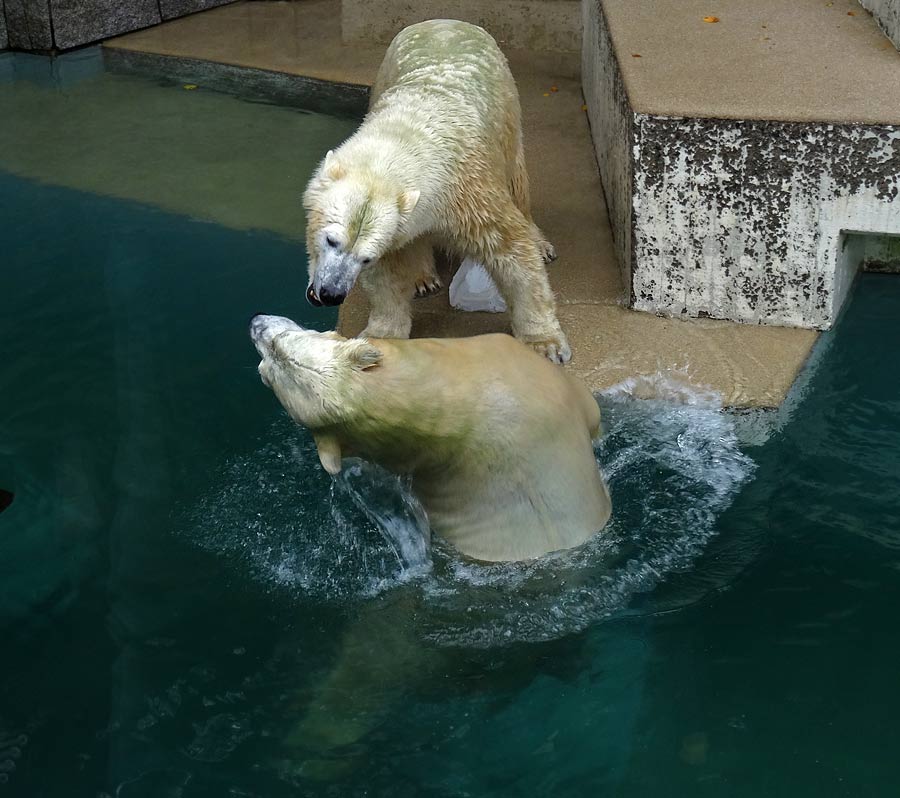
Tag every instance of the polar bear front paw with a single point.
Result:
(556, 350)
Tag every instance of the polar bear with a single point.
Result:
(437, 163)
(497, 440)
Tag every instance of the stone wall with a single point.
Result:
(40, 25)
(887, 12)
(531, 24)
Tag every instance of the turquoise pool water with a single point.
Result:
(190, 607)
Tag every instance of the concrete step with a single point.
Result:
(740, 151)
(529, 24)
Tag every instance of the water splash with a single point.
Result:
(294, 528)
(671, 459)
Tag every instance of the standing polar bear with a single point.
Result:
(438, 162)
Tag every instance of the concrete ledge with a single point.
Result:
(299, 91)
(887, 14)
(531, 24)
(731, 218)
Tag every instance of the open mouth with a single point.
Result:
(313, 298)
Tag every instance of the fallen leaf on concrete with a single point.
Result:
(635, 55)
(584, 108)
(190, 86)
(554, 88)
(710, 19)
(546, 93)
(851, 13)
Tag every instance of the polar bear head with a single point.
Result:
(353, 218)
(311, 373)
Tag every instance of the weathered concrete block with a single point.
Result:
(745, 219)
(179, 8)
(533, 24)
(887, 13)
(28, 24)
(77, 22)
(753, 220)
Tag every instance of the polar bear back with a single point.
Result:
(449, 57)
(498, 442)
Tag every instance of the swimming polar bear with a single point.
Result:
(437, 162)
(497, 440)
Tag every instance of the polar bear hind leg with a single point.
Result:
(519, 190)
(428, 282)
(518, 270)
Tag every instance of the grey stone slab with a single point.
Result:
(77, 22)
(4, 39)
(28, 24)
(179, 8)
(312, 94)
(887, 14)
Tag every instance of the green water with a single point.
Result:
(190, 607)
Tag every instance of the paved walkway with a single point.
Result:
(749, 366)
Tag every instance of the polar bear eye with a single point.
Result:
(366, 261)
(331, 242)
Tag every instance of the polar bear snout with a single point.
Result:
(263, 330)
(334, 275)
(326, 296)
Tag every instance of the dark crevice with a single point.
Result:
(50, 20)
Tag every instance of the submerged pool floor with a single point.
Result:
(190, 607)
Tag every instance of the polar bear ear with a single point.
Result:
(408, 200)
(331, 168)
(361, 354)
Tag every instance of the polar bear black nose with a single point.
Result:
(328, 298)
